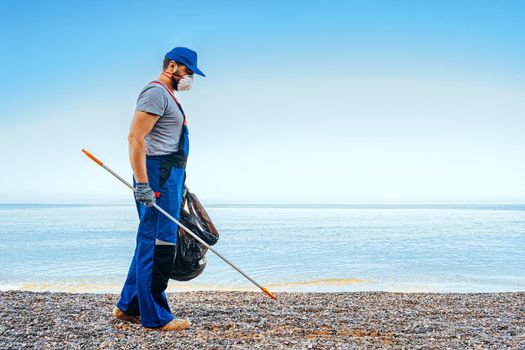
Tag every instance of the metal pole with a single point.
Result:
(266, 291)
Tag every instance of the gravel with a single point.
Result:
(249, 320)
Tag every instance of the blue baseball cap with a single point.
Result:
(185, 56)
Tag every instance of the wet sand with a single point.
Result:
(249, 320)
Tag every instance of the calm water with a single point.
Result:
(464, 248)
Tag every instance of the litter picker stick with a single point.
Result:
(266, 291)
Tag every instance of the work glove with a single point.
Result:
(144, 194)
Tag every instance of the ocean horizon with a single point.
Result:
(305, 247)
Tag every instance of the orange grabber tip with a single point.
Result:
(92, 157)
(270, 294)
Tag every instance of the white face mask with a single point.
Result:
(184, 83)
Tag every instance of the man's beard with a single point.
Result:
(175, 82)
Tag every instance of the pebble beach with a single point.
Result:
(249, 320)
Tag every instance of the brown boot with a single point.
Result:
(173, 325)
(121, 315)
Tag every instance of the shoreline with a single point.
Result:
(319, 285)
(249, 320)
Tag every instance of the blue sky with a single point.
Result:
(320, 101)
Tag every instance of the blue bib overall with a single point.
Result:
(144, 290)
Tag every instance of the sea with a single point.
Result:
(397, 247)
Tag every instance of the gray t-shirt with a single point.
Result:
(165, 135)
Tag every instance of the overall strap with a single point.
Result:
(173, 96)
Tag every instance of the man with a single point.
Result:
(158, 149)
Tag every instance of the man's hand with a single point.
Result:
(144, 194)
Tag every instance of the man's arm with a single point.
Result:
(141, 125)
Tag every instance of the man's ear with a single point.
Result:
(173, 66)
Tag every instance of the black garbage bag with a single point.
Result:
(190, 257)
